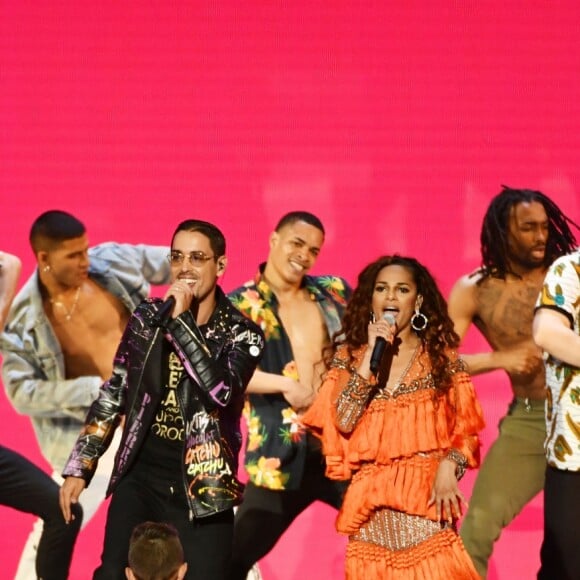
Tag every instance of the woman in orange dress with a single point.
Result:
(403, 434)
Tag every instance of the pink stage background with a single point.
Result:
(395, 122)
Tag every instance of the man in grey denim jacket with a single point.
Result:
(62, 332)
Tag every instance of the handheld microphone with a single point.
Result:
(165, 311)
(381, 344)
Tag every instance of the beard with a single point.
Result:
(528, 260)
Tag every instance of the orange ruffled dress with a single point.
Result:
(392, 456)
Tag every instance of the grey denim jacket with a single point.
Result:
(33, 369)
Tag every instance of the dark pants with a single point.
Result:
(560, 553)
(206, 541)
(26, 488)
(266, 514)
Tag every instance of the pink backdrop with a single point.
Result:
(394, 122)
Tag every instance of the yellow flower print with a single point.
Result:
(335, 287)
(256, 431)
(265, 473)
(294, 430)
(255, 434)
(250, 303)
(291, 370)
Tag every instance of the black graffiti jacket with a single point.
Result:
(219, 359)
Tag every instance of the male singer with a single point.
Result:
(179, 380)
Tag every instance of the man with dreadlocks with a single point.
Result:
(523, 232)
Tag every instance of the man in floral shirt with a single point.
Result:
(299, 315)
(557, 331)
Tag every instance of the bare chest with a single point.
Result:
(304, 325)
(505, 311)
(89, 338)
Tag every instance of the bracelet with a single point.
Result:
(460, 460)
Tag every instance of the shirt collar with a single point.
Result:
(267, 293)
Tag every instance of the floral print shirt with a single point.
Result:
(561, 291)
(276, 444)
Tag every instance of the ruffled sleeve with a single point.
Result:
(321, 417)
(464, 414)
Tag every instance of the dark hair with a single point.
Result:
(53, 227)
(437, 337)
(299, 216)
(494, 232)
(155, 551)
(217, 240)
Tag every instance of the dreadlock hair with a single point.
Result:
(437, 337)
(494, 232)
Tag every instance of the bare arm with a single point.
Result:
(520, 360)
(299, 396)
(10, 267)
(552, 333)
(462, 305)
(463, 309)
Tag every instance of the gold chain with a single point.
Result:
(68, 313)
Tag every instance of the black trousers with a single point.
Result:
(138, 498)
(560, 553)
(27, 488)
(266, 514)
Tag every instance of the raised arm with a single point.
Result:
(150, 262)
(358, 386)
(10, 267)
(218, 379)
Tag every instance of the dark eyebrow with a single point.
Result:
(397, 285)
(299, 239)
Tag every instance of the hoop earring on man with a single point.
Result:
(419, 321)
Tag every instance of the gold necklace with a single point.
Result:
(68, 313)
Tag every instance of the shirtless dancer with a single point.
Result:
(61, 336)
(523, 232)
(298, 314)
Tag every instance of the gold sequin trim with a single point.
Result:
(352, 401)
(396, 530)
(419, 383)
(339, 363)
